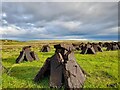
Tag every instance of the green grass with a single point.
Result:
(102, 68)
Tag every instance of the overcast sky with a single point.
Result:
(59, 20)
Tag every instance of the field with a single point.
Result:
(102, 67)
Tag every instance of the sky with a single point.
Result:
(59, 21)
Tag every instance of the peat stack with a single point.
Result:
(97, 47)
(87, 49)
(106, 44)
(63, 69)
(118, 44)
(100, 44)
(112, 46)
(27, 55)
(45, 48)
(76, 46)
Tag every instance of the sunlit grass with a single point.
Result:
(102, 68)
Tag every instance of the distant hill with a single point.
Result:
(7, 40)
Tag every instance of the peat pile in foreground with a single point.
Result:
(62, 68)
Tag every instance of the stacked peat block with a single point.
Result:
(45, 48)
(63, 69)
(27, 55)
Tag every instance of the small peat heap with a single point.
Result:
(45, 48)
(27, 55)
(87, 49)
(97, 47)
(112, 46)
(76, 46)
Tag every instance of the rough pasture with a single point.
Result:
(102, 67)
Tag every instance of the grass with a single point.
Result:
(102, 68)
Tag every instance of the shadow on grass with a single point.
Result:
(10, 60)
(28, 73)
(47, 53)
(24, 72)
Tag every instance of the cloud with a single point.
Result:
(60, 20)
